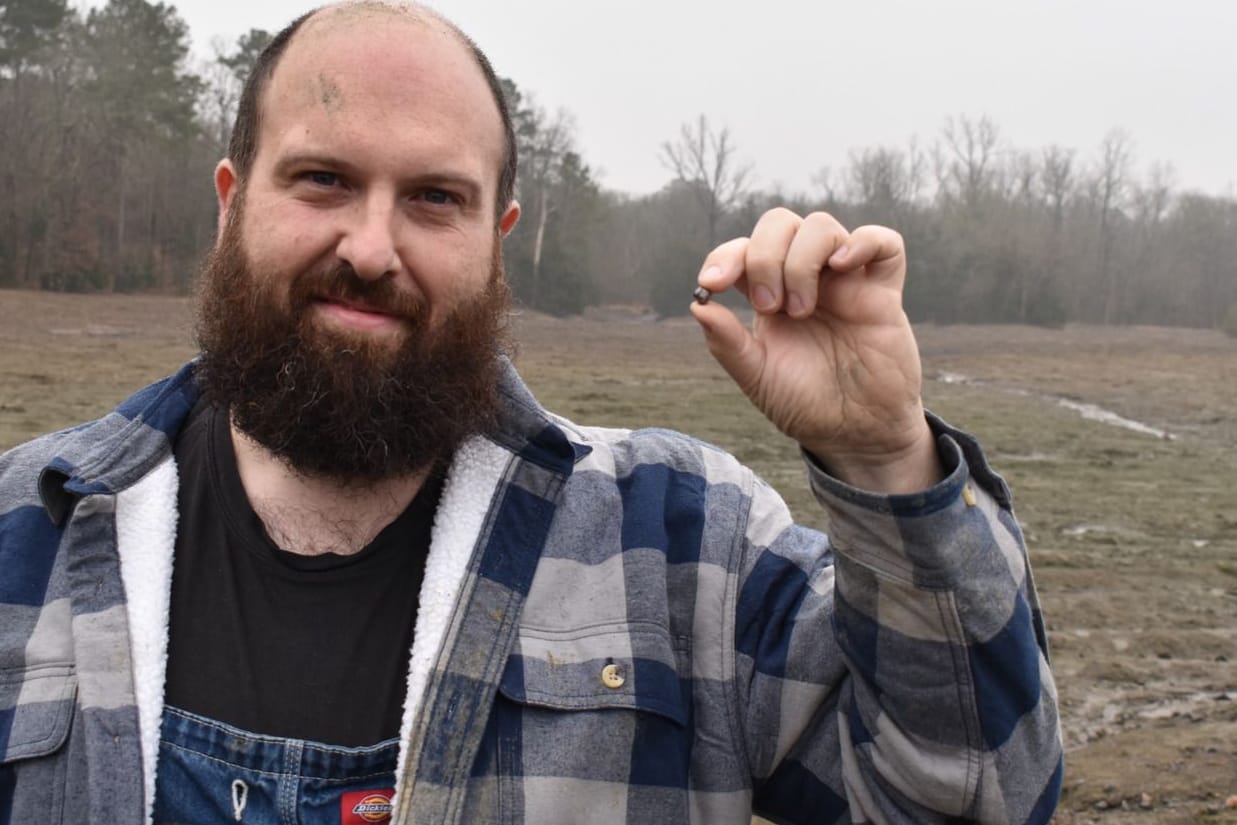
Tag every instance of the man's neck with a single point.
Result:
(311, 515)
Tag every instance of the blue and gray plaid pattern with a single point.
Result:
(642, 636)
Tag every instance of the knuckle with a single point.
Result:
(780, 214)
(824, 220)
(881, 233)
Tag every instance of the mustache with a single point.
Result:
(341, 283)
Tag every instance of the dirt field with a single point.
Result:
(1132, 524)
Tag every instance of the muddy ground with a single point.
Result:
(1131, 523)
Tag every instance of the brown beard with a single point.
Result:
(348, 408)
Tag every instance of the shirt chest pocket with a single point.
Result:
(611, 667)
(36, 712)
(598, 708)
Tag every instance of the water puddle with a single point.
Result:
(1105, 533)
(1083, 529)
(91, 330)
(1031, 458)
(1091, 412)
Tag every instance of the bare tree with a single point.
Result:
(1057, 187)
(966, 166)
(1057, 180)
(223, 78)
(1152, 201)
(551, 265)
(1112, 182)
(543, 154)
(217, 102)
(1020, 231)
(705, 160)
(826, 179)
(885, 178)
(1153, 264)
(1021, 179)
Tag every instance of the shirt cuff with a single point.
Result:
(962, 460)
(927, 537)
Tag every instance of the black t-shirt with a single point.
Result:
(304, 647)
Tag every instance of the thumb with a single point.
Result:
(730, 342)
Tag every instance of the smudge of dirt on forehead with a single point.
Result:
(329, 94)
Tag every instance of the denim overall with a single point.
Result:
(211, 774)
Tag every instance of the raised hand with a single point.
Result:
(830, 358)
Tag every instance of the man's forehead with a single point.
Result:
(402, 48)
(402, 55)
(376, 30)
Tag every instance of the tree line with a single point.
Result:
(109, 130)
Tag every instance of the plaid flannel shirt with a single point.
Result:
(641, 635)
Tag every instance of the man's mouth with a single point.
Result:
(358, 315)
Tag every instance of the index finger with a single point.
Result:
(723, 266)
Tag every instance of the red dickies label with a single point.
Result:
(361, 807)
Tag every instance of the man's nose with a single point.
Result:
(368, 241)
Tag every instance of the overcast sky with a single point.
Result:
(802, 82)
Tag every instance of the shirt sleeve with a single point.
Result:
(896, 671)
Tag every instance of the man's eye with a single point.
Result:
(438, 197)
(323, 178)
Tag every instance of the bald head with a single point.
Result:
(364, 10)
(349, 17)
(366, 14)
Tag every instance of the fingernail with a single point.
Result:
(762, 299)
(711, 272)
(840, 254)
(794, 305)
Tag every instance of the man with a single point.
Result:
(346, 554)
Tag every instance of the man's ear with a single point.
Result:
(507, 222)
(226, 187)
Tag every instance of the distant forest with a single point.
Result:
(109, 130)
